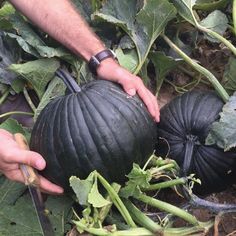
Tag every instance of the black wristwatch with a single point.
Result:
(95, 60)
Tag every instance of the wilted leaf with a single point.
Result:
(216, 21)
(142, 26)
(82, 188)
(230, 75)
(55, 88)
(38, 72)
(9, 53)
(223, 132)
(95, 198)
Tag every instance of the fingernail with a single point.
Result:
(40, 164)
(131, 92)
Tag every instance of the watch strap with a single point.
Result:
(95, 60)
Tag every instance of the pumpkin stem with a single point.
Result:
(188, 155)
(197, 202)
(68, 80)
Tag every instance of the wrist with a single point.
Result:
(108, 69)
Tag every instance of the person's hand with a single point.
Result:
(11, 156)
(132, 84)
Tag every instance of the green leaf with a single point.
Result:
(82, 188)
(210, 5)
(5, 11)
(10, 191)
(163, 64)
(223, 132)
(144, 26)
(55, 89)
(229, 77)
(13, 127)
(138, 178)
(30, 41)
(60, 213)
(95, 198)
(216, 21)
(185, 9)
(128, 60)
(84, 7)
(18, 216)
(9, 53)
(38, 72)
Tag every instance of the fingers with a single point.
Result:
(5, 133)
(132, 84)
(26, 157)
(45, 185)
(135, 85)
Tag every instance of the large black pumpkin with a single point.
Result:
(98, 127)
(185, 123)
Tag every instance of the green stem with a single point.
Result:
(218, 87)
(164, 206)
(159, 169)
(105, 210)
(28, 99)
(234, 15)
(16, 113)
(4, 96)
(219, 37)
(166, 184)
(117, 201)
(140, 218)
(105, 232)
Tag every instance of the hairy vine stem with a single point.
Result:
(215, 83)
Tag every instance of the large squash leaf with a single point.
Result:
(223, 132)
(38, 72)
(9, 53)
(55, 89)
(215, 22)
(142, 26)
(18, 216)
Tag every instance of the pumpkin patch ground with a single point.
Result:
(124, 174)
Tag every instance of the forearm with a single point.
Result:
(68, 28)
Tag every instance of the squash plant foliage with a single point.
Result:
(154, 39)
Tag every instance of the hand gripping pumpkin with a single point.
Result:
(98, 127)
(185, 123)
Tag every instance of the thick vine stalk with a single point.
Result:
(215, 83)
(234, 15)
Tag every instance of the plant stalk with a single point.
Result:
(4, 96)
(234, 15)
(28, 99)
(16, 113)
(167, 208)
(117, 201)
(219, 37)
(215, 83)
(166, 184)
